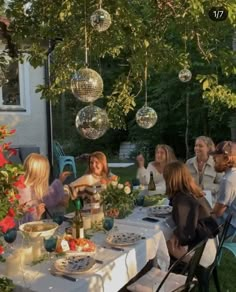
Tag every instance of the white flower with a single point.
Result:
(120, 186)
(103, 187)
(114, 183)
(127, 190)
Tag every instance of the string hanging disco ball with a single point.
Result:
(100, 20)
(92, 122)
(146, 117)
(185, 75)
(86, 85)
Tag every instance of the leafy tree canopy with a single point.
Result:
(175, 33)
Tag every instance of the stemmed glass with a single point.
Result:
(58, 217)
(50, 245)
(108, 223)
(10, 237)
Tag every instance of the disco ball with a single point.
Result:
(87, 85)
(100, 20)
(146, 117)
(92, 122)
(185, 75)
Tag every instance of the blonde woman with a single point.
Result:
(163, 155)
(202, 165)
(37, 193)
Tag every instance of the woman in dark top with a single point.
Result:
(191, 211)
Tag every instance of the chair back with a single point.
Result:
(58, 151)
(191, 265)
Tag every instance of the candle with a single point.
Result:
(37, 249)
(26, 254)
(97, 218)
(14, 264)
(87, 221)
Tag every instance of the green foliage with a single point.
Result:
(6, 285)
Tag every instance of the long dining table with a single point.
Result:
(113, 268)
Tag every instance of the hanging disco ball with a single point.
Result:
(100, 20)
(146, 117)
(92, 122)
(185, 75)
(87, 85)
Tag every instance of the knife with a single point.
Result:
(70, 278)
(114, 248)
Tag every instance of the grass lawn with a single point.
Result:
(227, 268)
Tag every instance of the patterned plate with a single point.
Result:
(159, 210)
(74, 264)
(123, 238)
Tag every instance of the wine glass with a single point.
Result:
(10, 237)
(58, 217)
(108, 223)
(50, 244)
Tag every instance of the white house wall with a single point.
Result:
(31, 126)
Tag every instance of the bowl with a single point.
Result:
(36, 229)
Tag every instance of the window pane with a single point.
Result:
(11, 90)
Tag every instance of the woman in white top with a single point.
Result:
(202, 165)
(163, 155)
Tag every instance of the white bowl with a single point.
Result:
(36, 229)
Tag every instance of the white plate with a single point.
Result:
(159, 210)
(74, 264)
(70, 215)
(123, 238)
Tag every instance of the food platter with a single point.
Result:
(123, 238)
(74, 264)
(161, 210)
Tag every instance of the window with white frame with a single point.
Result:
(15, 93)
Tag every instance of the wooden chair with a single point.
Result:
(63, 159)
(204, 274)
(157, 280)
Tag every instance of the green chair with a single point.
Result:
(62, 159)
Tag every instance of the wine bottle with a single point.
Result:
(151, 185)
(77, 223)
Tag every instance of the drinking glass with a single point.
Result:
(108, 223)
(10, 237)
(50, 245)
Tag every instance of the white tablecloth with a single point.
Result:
(118, 267)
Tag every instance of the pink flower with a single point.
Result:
(11, 212)
(7, 223)
(3, 160)
(1, 250)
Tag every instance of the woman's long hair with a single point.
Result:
(37, 170)
(170, 155)
(179, 179)
(101, 157)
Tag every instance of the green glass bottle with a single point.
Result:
(77, 223)
(151, 185)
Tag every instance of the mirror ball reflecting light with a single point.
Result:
(185, 75)
(100, 20)
(146, 117)
(87, 85)
(92, 122)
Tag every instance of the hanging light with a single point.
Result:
(100, 19)
(86, 85)
(146, 117)
(185, 75)
(92, 122)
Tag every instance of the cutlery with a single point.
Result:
(99, 261)
(114, 248)
(67, 277)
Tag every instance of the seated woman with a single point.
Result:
(38, 194)
(202, 165)
(97, 173)
(163, 155)
(191, 211)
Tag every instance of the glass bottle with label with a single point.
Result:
(151, 185)
(77, 223)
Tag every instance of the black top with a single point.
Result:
(193, 219)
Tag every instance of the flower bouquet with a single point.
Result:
(118, 199)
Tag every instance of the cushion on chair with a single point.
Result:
(152, 279)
